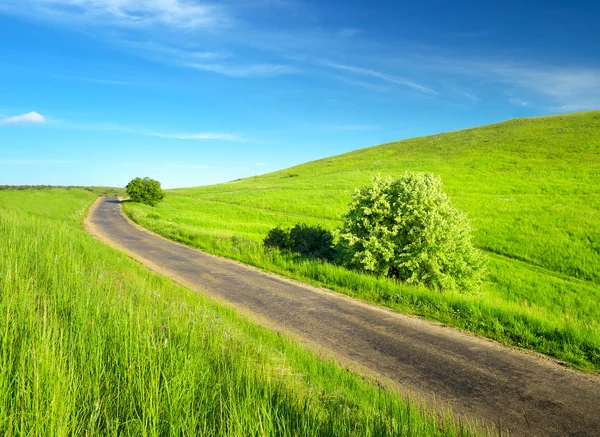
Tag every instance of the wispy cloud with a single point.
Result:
(382, 76)
(574, 88)
(30, 117)
(111, 127)
(162, 51)
(250, 70)
(212, 36)
(349, 32)
(569, 89)
(173, 32)
(176, 14)
(220, 62)
(260, 164)
(469, 96)
(376, 87)
(520, 102)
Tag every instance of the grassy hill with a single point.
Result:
(92, 343)
(531, 186)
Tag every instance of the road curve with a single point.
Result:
(523, 393)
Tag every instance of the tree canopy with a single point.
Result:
(407, 228)
(145, 190)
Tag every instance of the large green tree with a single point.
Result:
(407, 228)
(145, 190)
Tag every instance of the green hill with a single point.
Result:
(531, 186)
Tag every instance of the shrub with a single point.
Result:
(308, 241)
(312, 242)
(278, 238)
(408, 229)
(145, 190)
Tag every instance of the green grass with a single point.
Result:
(100, 191)
(531, 186)
(92, 343)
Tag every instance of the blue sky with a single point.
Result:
(96, 92)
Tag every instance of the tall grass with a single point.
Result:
(91, 343)
(532, 187)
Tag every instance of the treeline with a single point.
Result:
(100, 191)
(43, 187)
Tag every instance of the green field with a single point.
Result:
(531, 186)
(92, 343)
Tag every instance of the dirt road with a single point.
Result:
(522, 392)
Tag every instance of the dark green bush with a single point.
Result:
(145, 190)
(278, 238)
(312, 242)
(308, 241)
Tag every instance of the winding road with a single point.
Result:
(520, 392)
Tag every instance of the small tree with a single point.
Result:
(407, 228)
(145, 190)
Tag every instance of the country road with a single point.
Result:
(525, 394)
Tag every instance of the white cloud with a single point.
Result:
(469, 96)
(30, 117)
(64, 124)
(349, 32)
(160, 51)
(173, 32)
(220, 62)
(520, 102)
(176, 14)
(556, 88)
(252, 70)
(568, 89)
(377, 87)
(382, 76)
(260, 164)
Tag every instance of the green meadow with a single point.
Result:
(531, 187)
(93, 343)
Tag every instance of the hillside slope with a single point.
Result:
(531, 186)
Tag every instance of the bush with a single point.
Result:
(278, 238)
(312, 242)
(145, 190)
(408, 229)
(308, 241)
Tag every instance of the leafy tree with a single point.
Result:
(145, 190)
(408, 229)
